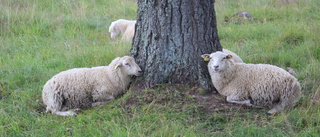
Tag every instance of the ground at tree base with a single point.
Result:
(176, 96)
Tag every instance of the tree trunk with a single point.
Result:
(170, 37)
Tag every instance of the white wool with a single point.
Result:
(87, 87)
(257, 85)
(124, 27)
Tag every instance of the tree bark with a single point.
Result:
(170, 37)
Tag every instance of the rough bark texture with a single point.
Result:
(170, 37)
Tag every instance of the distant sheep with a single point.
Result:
(245, 15)
(88, 87)
(124, 27)
(256, 85)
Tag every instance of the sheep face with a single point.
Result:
(218, 61)
(128, 66)
(114, 35)
(114, 30)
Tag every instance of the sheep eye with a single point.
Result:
(127, 64)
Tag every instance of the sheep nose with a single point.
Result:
(216, 67)
(139, 73)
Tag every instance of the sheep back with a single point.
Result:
(79, 87)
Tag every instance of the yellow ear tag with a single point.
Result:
(110, 30)
(229, 57)
(207, 58)
(116, 66)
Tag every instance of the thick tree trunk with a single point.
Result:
(170, 37)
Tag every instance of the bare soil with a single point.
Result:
(183, 95)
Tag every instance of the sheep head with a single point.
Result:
(114, 30)
(128, 66)
(219, 61)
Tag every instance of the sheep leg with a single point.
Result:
(66, 113)
(255, 106)
(56, 107)
(105, 101)
(71, 112)
(233, 99)
(288, 99)
(275, 109)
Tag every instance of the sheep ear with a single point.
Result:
(117, 65)
(112, 27)
(229, 56)
(206, 57)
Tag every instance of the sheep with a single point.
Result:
(124, 27)
(245, 15)
(255, 85)
(78, 88)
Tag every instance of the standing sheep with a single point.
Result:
(88, 87)
(124, 27)
(256, 85)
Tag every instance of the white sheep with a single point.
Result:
(256, 85)
(124, 27)
(88, 87)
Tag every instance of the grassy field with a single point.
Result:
(38, 39)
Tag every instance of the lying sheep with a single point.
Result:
(88, 87)
(256, 85)
(124, 27)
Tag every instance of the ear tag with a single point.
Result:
(116, 66)
(110, 30)
(206, 58)
(229, 57)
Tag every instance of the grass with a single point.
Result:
(38, 39)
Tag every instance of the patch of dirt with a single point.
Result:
(40, 109)
(216, 102)
(316, 96)
(176, 96)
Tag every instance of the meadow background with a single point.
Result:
(38, 39)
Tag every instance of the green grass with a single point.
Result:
(38, 39)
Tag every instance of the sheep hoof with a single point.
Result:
(247, 106)
(76, 110)
(251, 101)
(273, 114)
(72, 113)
